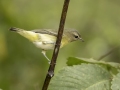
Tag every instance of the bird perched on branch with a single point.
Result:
(46, 38)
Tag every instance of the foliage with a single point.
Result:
(87, 74)
(22, 66)
(116, 82)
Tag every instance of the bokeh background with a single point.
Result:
(23, 67)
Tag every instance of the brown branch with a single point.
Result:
(108, 53)
(50, 73)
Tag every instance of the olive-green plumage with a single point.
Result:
(46, 38)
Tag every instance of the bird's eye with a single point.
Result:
(76, 36)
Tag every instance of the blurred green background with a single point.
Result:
(23, 67)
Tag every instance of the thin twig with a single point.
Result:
(108, 53)
(50, 73)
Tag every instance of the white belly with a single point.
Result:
(44, 46)
(46, 41)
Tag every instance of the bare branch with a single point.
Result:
(108, 53)
(50, 73)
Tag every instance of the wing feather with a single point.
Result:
(46, 31)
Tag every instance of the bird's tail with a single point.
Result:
(15, 29)
(32, 36)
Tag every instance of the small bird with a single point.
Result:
(46, 38)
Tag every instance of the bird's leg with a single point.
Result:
(44, 53)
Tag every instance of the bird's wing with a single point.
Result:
(46, 31)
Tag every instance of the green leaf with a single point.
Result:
(116, 82)
(81, 77)
(75, 61)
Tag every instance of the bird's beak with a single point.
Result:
(81, 39)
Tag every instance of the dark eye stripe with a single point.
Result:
(76, 36)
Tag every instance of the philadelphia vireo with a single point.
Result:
(46, 38)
